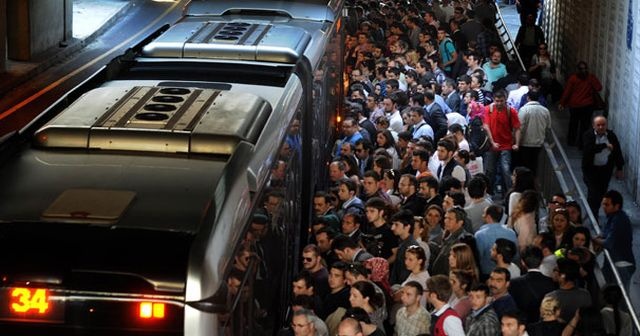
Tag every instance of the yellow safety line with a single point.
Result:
(84, 67)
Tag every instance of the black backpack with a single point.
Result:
(477, 137)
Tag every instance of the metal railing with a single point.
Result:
(507, 41)
(556, 175)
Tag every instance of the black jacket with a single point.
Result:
(529, 290)
(590, 149)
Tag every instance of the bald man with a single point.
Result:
(350, 326)
(601, 154)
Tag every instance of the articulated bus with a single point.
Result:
(168, 193)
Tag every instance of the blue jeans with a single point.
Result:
(501, 161)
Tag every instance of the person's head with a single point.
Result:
(350, 327)
(558, 200)
(347, 148)
(500, 99)
(381, 163)
(575, 212)
(402, 224)
(344, 247)
(438, 289)
(513, 323)
(583, 69)
(337, 170)
(546, 241)
(531, 256)
(391, 179)
(549, 308)
(303, 284)
(415, 258)
(324, 238)
(461, 281)
(311, 259)
(477, 187)
(503, 249)
(321, 203)
(375, 209)
(523, 179)
(356, 272)
(351, 222)
(448, 86)
(493, 214)
(389, 104)
(445, 150)
(434, 216)
(416, 115)
(336, 276)
(528, 203)
(427, 186)
(453, 198)
(499, 281)
(420, 160)
(349, 126)
(560, 221)
(363, 295)
(464, 83)
(496, 57)
(581, 237)
(407, 185)
(370, 182)
(479, 296)
(461, 257)
(473, 60)
(612, 202)
(454, 219)
(302, 323)
(347, 189)
(568, 271)
(411, 294)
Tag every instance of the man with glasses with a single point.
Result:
(578, 97)
(312, 262)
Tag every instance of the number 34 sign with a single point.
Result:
(24, 300)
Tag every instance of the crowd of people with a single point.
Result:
(431, 224)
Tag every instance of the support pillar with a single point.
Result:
(35, 26)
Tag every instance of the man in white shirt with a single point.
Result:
(515, 96)
(392, 113)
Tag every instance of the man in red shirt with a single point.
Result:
(503, 128)
(578, 96)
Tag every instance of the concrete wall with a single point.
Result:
(35, 26)
(596, 31)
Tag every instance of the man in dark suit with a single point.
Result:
(529, 289)
(434, 116)
(601, 153)
(451, 95)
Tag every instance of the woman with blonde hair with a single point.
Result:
(549, 325)
(461, 258)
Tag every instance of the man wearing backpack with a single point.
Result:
(448, 53)
(501, 122)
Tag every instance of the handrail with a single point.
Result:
(513, 46)
(594, 225)
(555, 143)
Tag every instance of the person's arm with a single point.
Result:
(488, 131)
(453, 326)
(570, 328)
